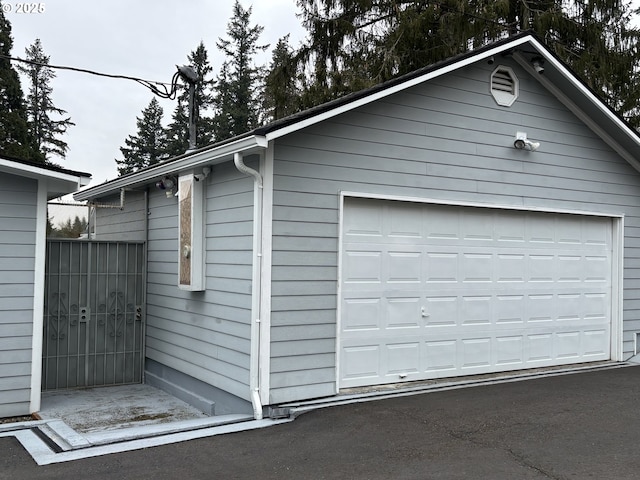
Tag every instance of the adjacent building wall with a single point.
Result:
(18, 213)
(124, 225)
(199, 342)
(447, 140)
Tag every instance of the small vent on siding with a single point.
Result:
(504, 86)
(502, 82)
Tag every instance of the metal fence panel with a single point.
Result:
(94, 318)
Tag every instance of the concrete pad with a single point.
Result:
(110, 408)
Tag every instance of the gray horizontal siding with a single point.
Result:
(446, 140)
(125, 225)
(18, 211)
(205, 335)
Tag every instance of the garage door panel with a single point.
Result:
(442, 291)
(477, 267)
(361, 313)
(363, 266)
(476, 310)
(403, 267)
(475, 353)
(540, 348)
(475, 227)
(510, 309)
(441, 356)
(568, 345)
(441, 224)
(440, 311)
(441, 267)
(403, 313)
(596, 343)
(511, 268)
(509, 350)
(402, 359)
(361, 363)
(594, 268)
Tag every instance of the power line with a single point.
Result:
(162, 89)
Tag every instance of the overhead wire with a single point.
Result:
(161, 89)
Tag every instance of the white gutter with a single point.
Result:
(256, 284)
(208, 156)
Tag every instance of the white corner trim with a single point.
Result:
(339, 292)
(617, 290)
(38, 296)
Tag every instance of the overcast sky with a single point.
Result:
(138, 38)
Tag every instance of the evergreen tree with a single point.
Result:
(14, 136)
(178, 129)
(356, 43)
(50, 228)
(68, 229)
(281, 83)
(44, 130)
(238, 107)
(149, 145)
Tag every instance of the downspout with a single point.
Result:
(256, 294)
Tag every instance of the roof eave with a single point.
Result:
(58, 182)
(398, 85)
(200, 158)
(585, 104)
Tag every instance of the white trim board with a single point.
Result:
(497, 206)
(38, 297)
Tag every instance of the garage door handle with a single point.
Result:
(424, 313)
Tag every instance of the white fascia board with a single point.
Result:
(592, 123)
(197, 159)
(396, 88)
(584, 90)
(62, 180)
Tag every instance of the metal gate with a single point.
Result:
(93, 324)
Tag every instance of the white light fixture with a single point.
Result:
(522, 143)
(538, 64)
(167, 184)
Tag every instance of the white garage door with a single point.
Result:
(434, 291)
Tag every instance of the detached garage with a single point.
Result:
(432, 290)
(472, 217)
(25, 188)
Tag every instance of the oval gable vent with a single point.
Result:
(504, 86)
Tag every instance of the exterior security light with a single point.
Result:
(538, 64)
(167, 184)
(522, 143)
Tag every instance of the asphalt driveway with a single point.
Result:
(577, 426)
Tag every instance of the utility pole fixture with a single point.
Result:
(189, 75)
